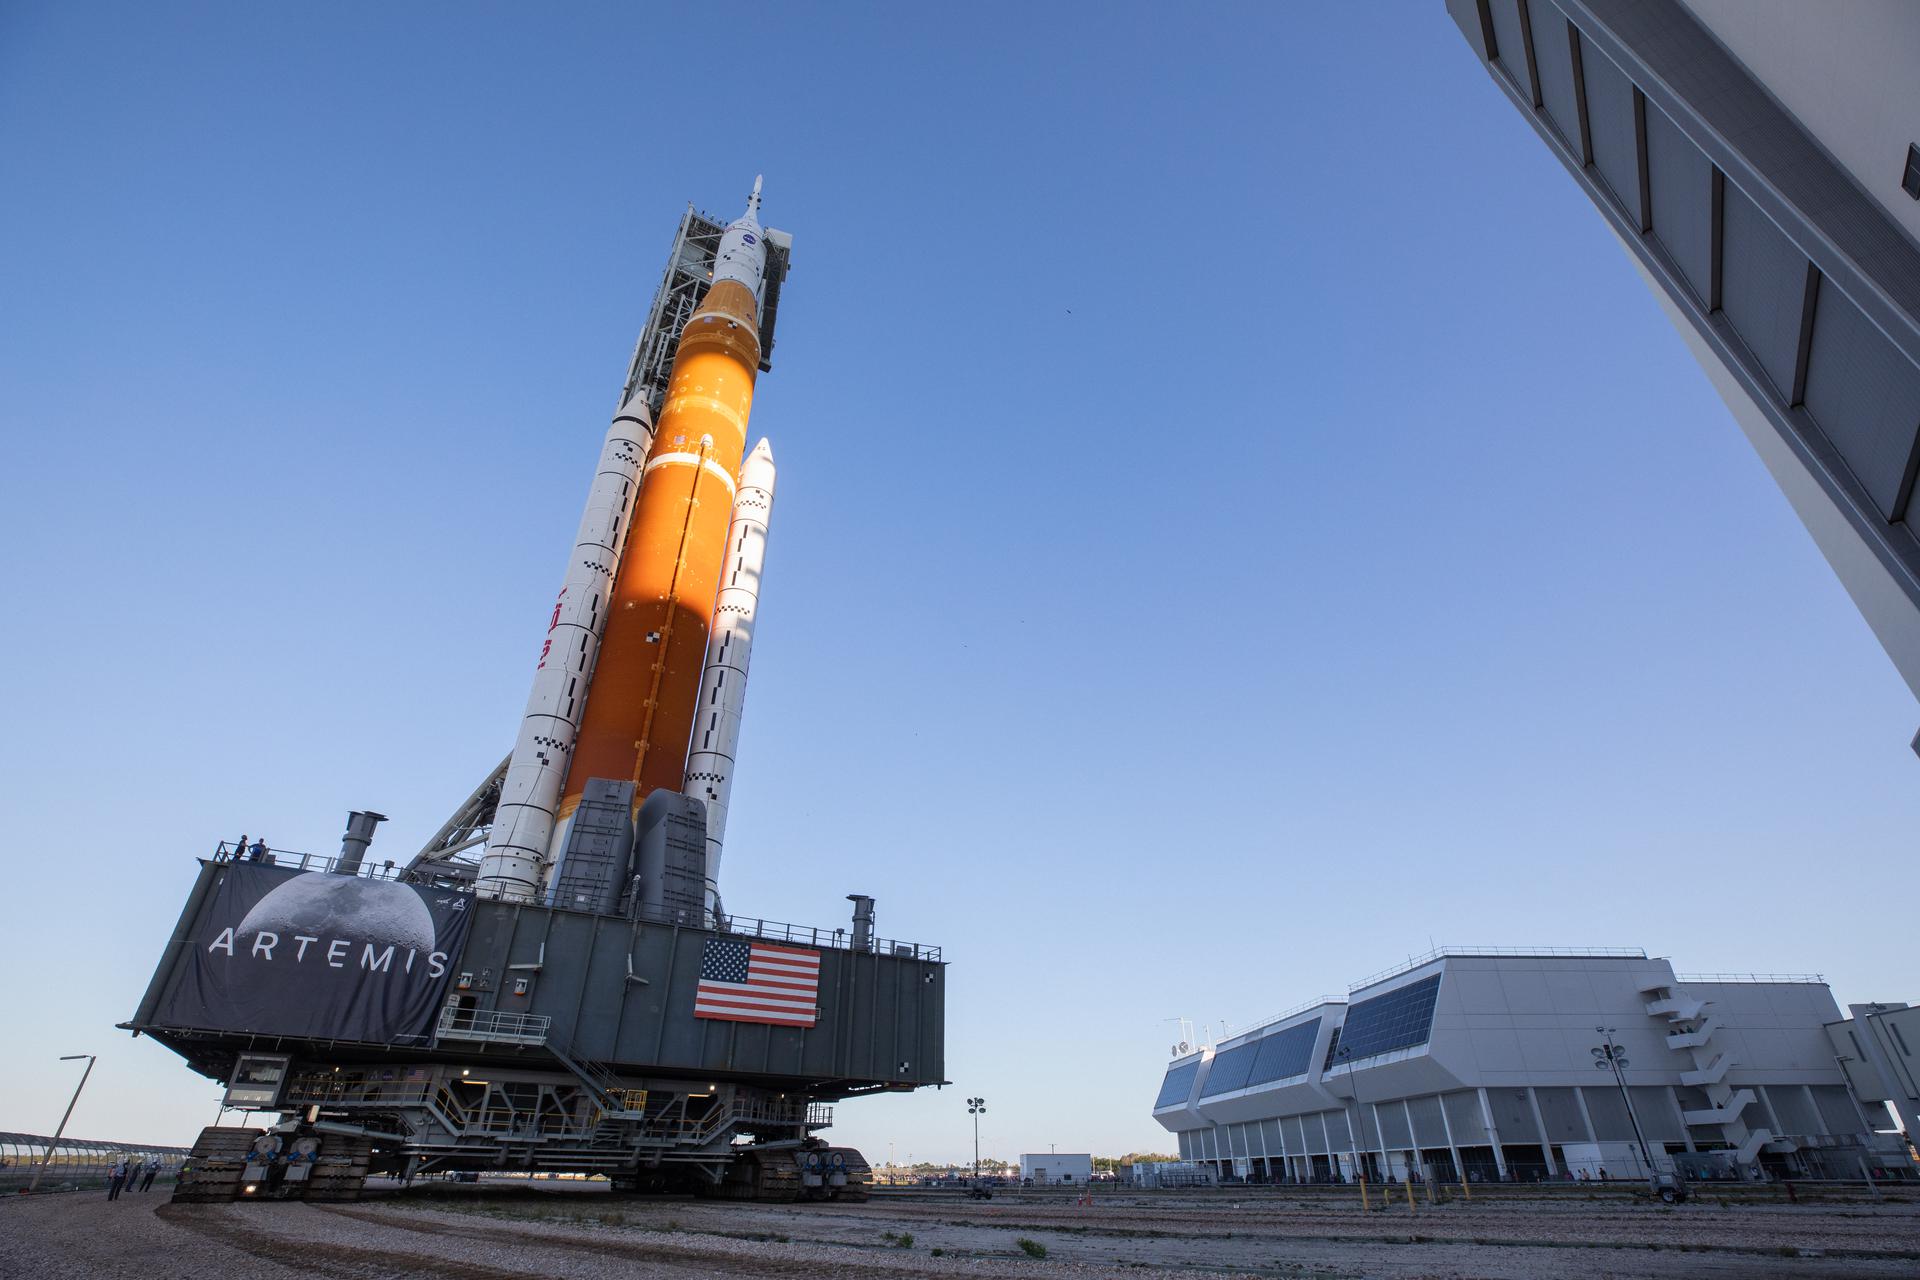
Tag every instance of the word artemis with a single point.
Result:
(338, 949)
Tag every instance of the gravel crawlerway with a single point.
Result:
(586, 1236)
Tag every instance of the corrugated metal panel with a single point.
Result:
(1429, 1130)
(1560, 1112)
(1616, 154)
(1796, 1113)
(1836, 1109)
(1512, 1115)
(1681, 182)
(1864, 394)
(1658, 1118)
(1464, 1118)
(1293, 1135)
(1367, 1127)
(1608, 1111)
(1393, 1119)
(1762, 286)
(1338, 1131)
(1510, 44)
(1553, 59)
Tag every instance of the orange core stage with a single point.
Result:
(646, 683)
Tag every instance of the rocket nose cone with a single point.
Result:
(758, 470)
(636, 408)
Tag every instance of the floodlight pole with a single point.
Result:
(57, 1133)
(1358, 1142)
(974, 1107)
(1613, 1057)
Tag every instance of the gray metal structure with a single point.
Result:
(596, 866)
(569, 1043)
(1750, 154)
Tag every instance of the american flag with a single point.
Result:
(745, 981)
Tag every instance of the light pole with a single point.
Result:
(1345, 1054)
(1611, 1057)
(974, 1107)
(48, 1159)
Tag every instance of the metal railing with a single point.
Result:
(226, 851)
(356, 1090)
(813, 936)
(74, 1163)
(839, 939)
(1439, 953)
(1751, 977)
(499, 1026)
(1294, 1012)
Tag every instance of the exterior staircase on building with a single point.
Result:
(1713, 1073)
(1690, 1030)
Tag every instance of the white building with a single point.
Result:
(1760, 162)
(1495, 1064)
(1044, 1170)
(1876, 1048)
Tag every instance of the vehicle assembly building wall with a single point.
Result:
(1752, 163)
(1495, 1065)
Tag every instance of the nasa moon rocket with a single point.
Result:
(642, 676)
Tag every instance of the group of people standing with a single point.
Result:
(126, 1173)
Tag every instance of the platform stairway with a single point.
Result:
(1690, 1030)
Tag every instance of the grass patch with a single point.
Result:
(1032, 1248)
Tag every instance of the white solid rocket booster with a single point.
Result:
(523, 821)
(723, 681)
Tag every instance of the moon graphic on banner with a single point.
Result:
(322, 905)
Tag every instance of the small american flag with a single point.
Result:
(745, 981)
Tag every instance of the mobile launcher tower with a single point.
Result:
(554, 983)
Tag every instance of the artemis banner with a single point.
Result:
(292, 953)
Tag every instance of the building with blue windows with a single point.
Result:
(1495, 1064)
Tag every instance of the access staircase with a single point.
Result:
(1690, 1030)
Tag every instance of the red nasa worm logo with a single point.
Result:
(548, 646)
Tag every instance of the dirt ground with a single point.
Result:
(491, 1235)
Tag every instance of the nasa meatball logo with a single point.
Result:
(747, 238)
(338, 922)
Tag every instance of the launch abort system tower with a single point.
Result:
(553, 982)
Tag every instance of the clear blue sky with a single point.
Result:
(1241, 519)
